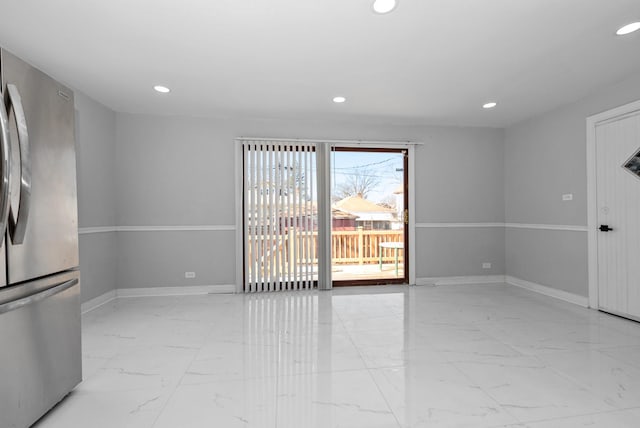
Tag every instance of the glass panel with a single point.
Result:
(633, 164)
(367, 215)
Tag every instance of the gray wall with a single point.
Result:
(138, 170)
(177, 171)
(545, 157)
(459, 174)
(95, 158)
(459, 251)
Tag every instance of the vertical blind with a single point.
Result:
(280, 215)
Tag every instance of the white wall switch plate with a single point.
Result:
(189, 275)
(486, 265)
(567, 197)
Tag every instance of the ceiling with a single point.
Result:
(428, 62)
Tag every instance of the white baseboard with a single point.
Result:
(176, 291)
(460, 280)
(548, 291)
(434, 281)
(94, 303)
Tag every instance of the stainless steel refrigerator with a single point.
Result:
(40, 354)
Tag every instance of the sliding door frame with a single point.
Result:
(323, 159)
(407, 250)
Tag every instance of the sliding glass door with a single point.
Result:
(280, 216)
(293, 221)
(369, 216)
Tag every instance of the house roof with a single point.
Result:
(358, 204)
(342, 215)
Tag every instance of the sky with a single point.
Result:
(382, 165)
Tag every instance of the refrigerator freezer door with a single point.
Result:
(41, 360)
(50, 233)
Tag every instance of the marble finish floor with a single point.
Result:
(374, 357)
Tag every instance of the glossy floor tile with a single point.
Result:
(374, 357)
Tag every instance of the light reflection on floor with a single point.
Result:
(374, 357)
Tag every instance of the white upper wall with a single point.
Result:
(181, 171)
(95, 159)
(545, 157)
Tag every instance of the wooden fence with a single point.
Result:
(347, 247)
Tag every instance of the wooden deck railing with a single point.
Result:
(363, 246)
(347, 247)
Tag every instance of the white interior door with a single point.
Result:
(618, 203)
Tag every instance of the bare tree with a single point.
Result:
(389, 201)
(359, 182)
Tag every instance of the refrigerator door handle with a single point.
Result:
(5, 167)
(34, 298)
(18, 223)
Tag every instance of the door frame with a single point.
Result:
(407, 250)
(410, 146)
(592, 206)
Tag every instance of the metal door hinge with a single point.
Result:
(406, 216)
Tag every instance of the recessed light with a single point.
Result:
(629, 28)
(162, 89)
(339, 100)
(489, 105)
(384, 6)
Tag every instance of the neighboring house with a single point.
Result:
(265, 218)
(370, 216)
(306, 218)
(265, 212)
(342, 220)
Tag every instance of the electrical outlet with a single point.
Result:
(486, 265)
(567, 197)
(190, 275)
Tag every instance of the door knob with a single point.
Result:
(605, 228)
